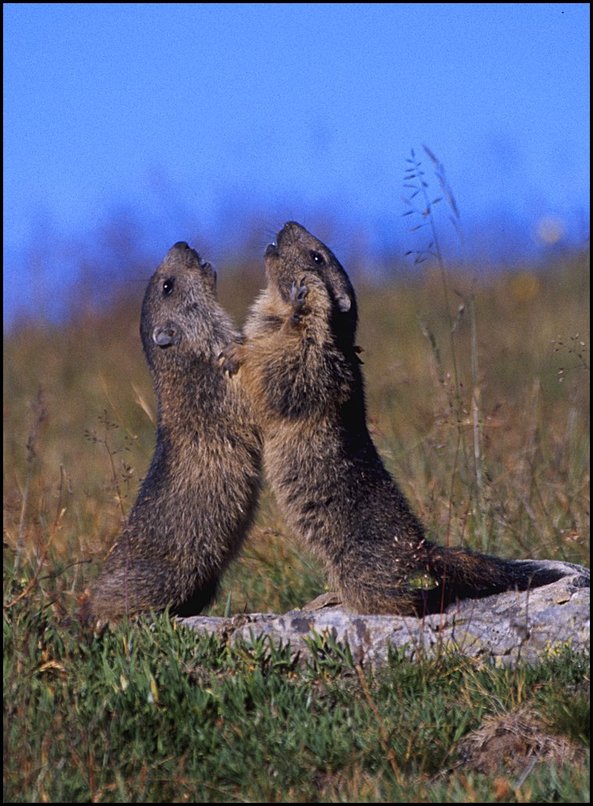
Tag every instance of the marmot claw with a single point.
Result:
(229, 360)
(298, 294)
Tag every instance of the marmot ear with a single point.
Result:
(165, 335)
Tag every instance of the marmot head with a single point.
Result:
(180, 313)
(295, 252)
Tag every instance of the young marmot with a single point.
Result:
(300, 366)
(197, 502)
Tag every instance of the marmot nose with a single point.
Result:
(180, 245)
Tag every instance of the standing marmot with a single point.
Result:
(197, 502)
(299, 363)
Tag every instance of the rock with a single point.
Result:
(507, 628)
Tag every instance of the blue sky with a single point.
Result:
(221, 120)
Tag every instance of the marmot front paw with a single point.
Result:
(298, 294)
(231, 358)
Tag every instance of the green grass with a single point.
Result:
(150, 712)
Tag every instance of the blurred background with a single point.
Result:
(441, 151)
(129, 126)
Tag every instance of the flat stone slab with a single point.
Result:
(507, 628)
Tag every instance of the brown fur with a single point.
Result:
(197, 502)
(299, 363)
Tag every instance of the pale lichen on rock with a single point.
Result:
(508, 628)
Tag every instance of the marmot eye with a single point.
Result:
(168, 286)
(318, 258)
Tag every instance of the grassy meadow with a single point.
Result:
(478, 398)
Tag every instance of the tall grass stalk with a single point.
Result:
(477, 426)
(416, 181)
(39, 415)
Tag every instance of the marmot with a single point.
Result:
(197, 502)
(300, 366)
